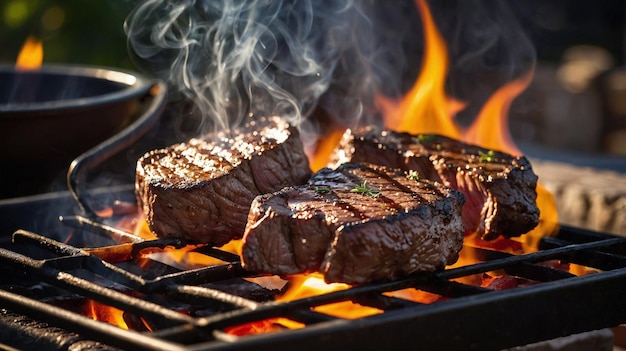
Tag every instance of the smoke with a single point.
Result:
(233, 58)
(236, 57)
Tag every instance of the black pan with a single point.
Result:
(50, 116)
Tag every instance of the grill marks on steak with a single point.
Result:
(399, 227)
(500, 189)
(201, 190)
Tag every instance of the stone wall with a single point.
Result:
(586, 197)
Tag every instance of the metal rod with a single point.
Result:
(198, 276)
(87, 327)
(92, 290)
(95, 156)
(216, 295)
(21, 236)
(495, 320)
(100, 228)
(408, 320)
(533, 257)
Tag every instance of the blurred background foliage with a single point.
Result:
(72, 31)
(92, 32)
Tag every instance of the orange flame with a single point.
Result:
(307, 285)
(31, 55)
(425, 108)
(104, 313)
(415, 295)
(182, 258)
(548, 220)
(264, 326)
(491, 128)
(324, 149)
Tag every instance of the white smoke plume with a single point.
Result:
(235, 57)
(289, 57)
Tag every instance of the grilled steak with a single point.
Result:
(500, 189)
(356, 224)
(201, 190)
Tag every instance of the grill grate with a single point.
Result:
(467, 317)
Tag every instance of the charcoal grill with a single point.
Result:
(467, 317)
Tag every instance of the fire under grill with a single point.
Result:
(168, 308)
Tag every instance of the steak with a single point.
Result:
(500, 189)
(355, 224)
(201, 190)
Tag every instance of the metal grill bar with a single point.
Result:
(490, 321)
(507, 318)
(72, 321)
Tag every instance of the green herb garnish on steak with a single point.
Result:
(364, 190)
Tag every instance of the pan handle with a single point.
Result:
(93, 157)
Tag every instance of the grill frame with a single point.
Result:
(472, 318)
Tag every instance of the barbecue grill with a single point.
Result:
(58, 256)
(556, 303)
(47, 273)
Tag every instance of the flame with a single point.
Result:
(182, 258)
(324, 149)
(31, 55)
(100, 312)
(415, 295)
(491, 128)
(548, 220)
(307, 285)
(425, 108)
(264, 326)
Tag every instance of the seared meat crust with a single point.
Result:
(356, 224)
(201, 190)
(500, 189)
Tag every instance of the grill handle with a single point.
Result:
(92, 158)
